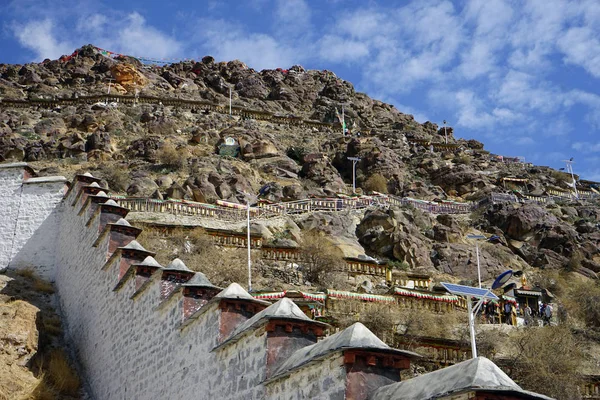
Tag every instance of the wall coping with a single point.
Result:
(46, 179)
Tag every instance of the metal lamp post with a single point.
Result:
(470, 292)
(248, 198)
(477, 237)
(354, 161)
(570, 170)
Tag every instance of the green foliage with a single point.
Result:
(376, 183)
(399, 265)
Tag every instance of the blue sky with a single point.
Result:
(521, 76)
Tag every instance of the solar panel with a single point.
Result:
(463, 290)
(471, 236)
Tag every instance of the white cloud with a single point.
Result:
(136, 37)
(226, 41)
(586, 147)
(128, 34)
(40, 37)
(581, 46)
(293, 17)
(337, 49)
(524, 141)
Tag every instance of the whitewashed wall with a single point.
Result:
(29, 220)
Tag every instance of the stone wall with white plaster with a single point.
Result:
(135, 348)
(325, 380)
(29, 219)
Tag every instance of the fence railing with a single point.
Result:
(265, 210)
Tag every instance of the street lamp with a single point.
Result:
(354, 161)
(477, 237)
(445, 132)
(470, 292)
(229, 99)
(248, 197)
(570, 163)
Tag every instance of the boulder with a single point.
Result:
(128, 77)
(99, 141)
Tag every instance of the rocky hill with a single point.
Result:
(166, 131)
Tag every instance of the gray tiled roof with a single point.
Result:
(200, 280)
(177, 265)
(475, 374)
(356, 336)
(283, 309)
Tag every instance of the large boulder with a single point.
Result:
(128, 77)
(393, 233)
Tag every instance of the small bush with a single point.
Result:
(321, 260)
(171, 157)
(42, 286)
(547, 361)
(376, 183)
(399, 265)
(116, 177)
(61, 375)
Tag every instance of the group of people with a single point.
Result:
(544, 311)
(509, 311)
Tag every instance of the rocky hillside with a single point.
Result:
(159, 150)
(167, 132)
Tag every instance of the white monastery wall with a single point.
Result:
(29, 218)
(323, 381)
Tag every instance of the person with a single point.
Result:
(547, 314)
(508, 313)
(490, 311)
(528, 315)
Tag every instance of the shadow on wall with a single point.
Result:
(40, 249)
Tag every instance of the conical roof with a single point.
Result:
(177, 265)
(476, 373)
(134, 245)
(122, 222)
(111, 202)
(101, 193)
(356, 336)
(149, 262)
(200, 280)
(283, 309)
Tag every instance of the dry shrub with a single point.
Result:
(382, 319)
(52, 325)
(321, 260)
(116, 177)
(59, 372)
(376, 183)
(198, 251)
(583, 302)
(42, 286)
(425, 323)
(171, 157)
(222, 266)
(547, 360)
(27, 273)
(42, 391)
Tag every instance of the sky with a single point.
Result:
(523, 77)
